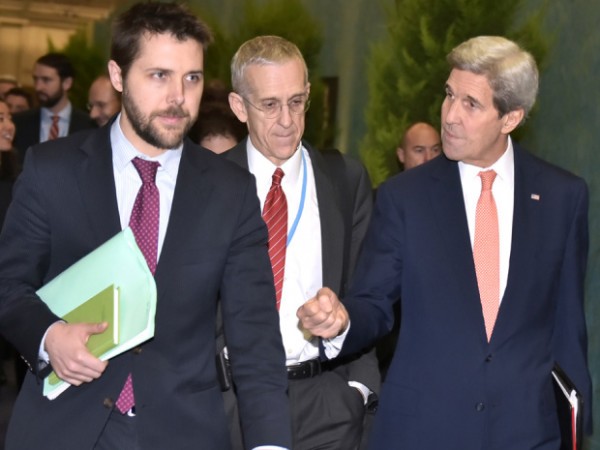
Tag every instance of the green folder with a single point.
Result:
(102, 307)
(117, 262)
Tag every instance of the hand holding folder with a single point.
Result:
(102, 307)
(118, 262)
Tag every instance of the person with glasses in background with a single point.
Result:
(317, 207)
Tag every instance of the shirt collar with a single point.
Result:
(124, 152)
(64, 113)
(504, 166)
(263, 168)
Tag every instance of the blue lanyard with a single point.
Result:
(302, 199)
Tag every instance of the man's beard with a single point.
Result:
(145, 129)
(50, 100)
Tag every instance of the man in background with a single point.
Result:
(420, 143)
(103, 100)
(317, 208)
(53, 76)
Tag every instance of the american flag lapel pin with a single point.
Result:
(535, 197)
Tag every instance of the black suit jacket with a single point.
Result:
(447, 387)
(27, 125)
(345, 203)
(65, 206)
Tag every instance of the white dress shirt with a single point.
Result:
(303, 275)
(128, 181)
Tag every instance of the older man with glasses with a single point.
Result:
(317, 207)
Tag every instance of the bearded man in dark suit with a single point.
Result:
(75, 194)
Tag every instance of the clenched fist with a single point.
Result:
(324, 315)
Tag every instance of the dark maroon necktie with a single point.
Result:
(144, 224)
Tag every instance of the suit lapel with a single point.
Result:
(238, 155)
(449, 212)
(192, 189)
(96, 182)
(332, 221)
(37, 126)
(524, 241)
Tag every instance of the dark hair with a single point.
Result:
(60, 62)
(153, 18)
(20, 92)
(216, 119)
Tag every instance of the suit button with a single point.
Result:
(488, 358)
(137, 350)
(479, 407)
(108, 403)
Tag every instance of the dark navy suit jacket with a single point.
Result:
(65, 206)
(447, 387)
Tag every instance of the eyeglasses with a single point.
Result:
(272, 108)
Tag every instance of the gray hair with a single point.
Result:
(262, 50)
(511, 71)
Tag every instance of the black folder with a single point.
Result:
(570, 410)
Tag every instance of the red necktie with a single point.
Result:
(144, 224)
(275, 216)
(486, 252)
(53, 134)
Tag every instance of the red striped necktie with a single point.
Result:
(53, 134)
(275, 215)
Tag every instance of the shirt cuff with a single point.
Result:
(269, 447)
(43, 356)
(364, 391)
(333, 347)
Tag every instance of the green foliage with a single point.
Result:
(408, 69)
(89, 61)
